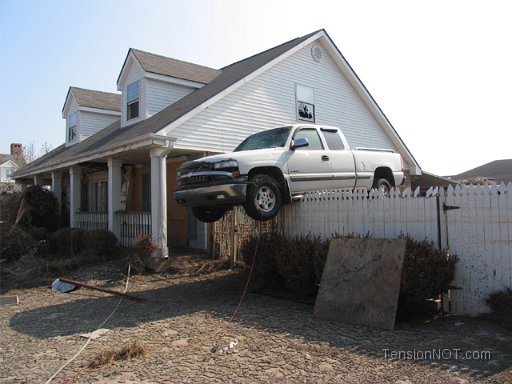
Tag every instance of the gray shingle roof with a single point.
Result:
(97, 99)
(175, 68)
(113, 134)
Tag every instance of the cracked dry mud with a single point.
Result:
(185, 326)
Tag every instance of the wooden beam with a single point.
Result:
(77, 283)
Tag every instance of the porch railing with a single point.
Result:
(133, 225)
(92, 220)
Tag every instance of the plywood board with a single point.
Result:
(361, 282)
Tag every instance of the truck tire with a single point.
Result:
(209, 214)
(263, 198)
(382, 185)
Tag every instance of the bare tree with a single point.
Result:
(29, 153)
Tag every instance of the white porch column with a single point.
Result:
(114, 194)
(57, 187)
(159, 201)
(75, 175)
(38, 180)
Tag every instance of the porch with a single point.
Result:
(131, 225)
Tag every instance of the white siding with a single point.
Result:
(135, 72)
(161, 95)
(269, 100)
(72, 109)
(6, 169)
(91, 122)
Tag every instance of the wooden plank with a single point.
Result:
(5, 300)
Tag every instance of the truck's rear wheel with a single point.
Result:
(209, 214)
(263, 198)
(383, 186)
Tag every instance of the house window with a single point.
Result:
(72, 121)
(132, 100)
(305, 103)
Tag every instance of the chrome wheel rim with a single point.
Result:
(265, 199)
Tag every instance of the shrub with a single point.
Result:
(102, 243)
(43, 209)
(286, 263)
(427, 271)
(501, 305)
(140, 252)
(98, 244)
(66, 242)
(15, 242)
(9, 205)
(298, 264)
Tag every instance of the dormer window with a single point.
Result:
(72, 120)
(132, 100)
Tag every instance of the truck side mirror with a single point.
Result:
(299, 143)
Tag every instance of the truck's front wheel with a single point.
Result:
(263, 198)
(209, 214)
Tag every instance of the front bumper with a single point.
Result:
(230, 192)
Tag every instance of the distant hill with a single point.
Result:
(499, 170)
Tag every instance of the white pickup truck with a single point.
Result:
(277, 166)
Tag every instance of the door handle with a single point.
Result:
(325, 158)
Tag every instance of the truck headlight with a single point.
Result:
(226, 165)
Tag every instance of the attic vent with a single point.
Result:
(316, 53)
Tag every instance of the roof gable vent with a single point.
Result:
(316, 53)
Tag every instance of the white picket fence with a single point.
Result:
(474, 222)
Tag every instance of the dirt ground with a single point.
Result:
(185, 325)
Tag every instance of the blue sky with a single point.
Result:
(440, 70)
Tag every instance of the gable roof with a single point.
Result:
(226, 79)
(167, 66)
(113, 134)
(94, 99)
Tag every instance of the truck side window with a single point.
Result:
(333, 140)
(311, 134)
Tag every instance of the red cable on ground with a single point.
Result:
(248, 278)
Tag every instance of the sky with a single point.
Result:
(441, 71)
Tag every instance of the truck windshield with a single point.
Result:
(267, 139)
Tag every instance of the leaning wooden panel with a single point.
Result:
(361, 282)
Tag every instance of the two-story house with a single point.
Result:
(9, 163)
(121, 176)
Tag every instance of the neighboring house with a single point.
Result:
(495, 172)
(173, 111)
(10, 163)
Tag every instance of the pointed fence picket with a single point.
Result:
(474, 222)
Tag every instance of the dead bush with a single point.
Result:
(15, 242)
(297, 264)
(140, 252)
(107, 357)
(9, 205)
(67, 242)
(286, 263)
(102, 243)
(43, 209)
(427, 271)
(501, 305)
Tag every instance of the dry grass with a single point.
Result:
(107, 357)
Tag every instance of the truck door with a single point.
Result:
(341, 159)
(309, 167)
